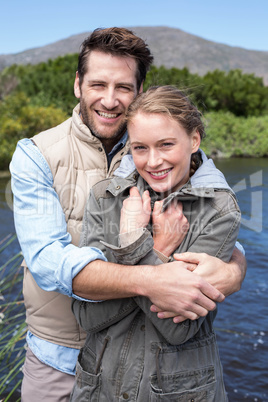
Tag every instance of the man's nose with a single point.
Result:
(109, 99)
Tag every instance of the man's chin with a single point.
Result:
(106, 133)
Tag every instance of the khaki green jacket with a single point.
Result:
(129, 353)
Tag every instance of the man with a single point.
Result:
(51, 178)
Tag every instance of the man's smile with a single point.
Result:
(108, 115)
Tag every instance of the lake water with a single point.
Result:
(242, 322)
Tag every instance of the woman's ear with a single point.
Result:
(196, 140)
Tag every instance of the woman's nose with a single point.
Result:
(154, 159)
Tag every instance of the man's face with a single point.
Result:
(108, 88)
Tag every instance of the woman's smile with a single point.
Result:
(160, 174)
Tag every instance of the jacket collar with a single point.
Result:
(119, 184)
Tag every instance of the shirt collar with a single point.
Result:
(121, 143)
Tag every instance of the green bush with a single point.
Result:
(228, 135)
(19, 119)
(45, 84)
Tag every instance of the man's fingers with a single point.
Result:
(198, 306)
(193, 258)
(213, 295)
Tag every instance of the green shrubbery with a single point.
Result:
(235, 105)
(20, 119)
(229, 135)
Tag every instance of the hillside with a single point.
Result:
(171, 48)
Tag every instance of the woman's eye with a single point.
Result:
(138, 147)
(167, 144)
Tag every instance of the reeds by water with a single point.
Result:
(12, 321)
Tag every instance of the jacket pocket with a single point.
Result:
(186, 386)
(86, 387)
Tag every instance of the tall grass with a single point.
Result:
(12, 321)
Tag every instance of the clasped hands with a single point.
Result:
(169, 226)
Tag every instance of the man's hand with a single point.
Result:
(136, 211)
(180, 293)
(226, 277)
(169, 227)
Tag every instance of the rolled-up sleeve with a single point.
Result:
(40, 223)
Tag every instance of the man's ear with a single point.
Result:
(141, 88)
(196, 140)
(77, 91)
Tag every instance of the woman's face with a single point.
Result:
(161, 150)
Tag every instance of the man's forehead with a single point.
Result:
(102, 61)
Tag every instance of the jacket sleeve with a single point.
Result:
(96, 316)
(218, 236)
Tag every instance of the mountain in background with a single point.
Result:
(171, 47)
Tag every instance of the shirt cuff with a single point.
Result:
(162, 256)
(125, 239)
(134, 252)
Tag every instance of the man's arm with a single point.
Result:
(40, 223)
(226, 277)
(170, 286)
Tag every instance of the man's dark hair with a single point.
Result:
(117, 42)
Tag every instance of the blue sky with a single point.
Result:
(26, 24)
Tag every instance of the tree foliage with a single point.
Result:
(36, 97)
(229, 135)
(238, 93)
(45, 84)
(19, 119)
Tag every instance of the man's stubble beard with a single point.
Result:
(107, 139)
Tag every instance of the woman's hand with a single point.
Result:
(169, 227)
(136, 211)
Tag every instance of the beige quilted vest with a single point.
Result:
(77, 160)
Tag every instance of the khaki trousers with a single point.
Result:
(42, 383)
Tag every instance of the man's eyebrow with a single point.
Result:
(127, 84)
(96, 81)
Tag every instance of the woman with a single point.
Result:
(130, 354)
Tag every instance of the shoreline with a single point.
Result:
(5, 174)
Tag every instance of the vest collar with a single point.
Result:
(81, 131)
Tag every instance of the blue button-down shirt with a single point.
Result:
(43, 237)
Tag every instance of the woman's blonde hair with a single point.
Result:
(172, 102)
